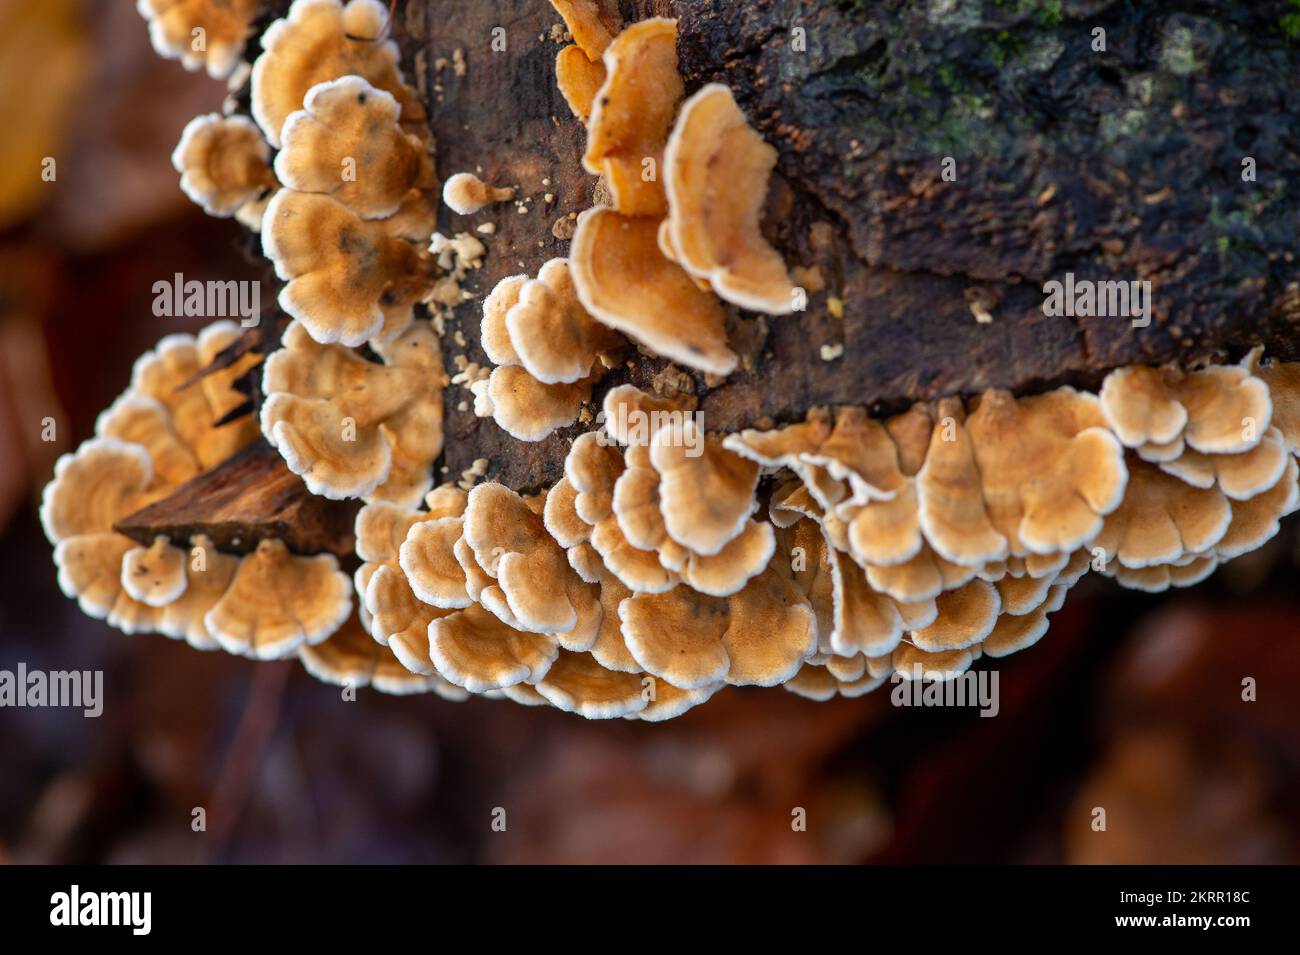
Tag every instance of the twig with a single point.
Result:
(256, 727)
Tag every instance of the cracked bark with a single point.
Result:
(1117, 165)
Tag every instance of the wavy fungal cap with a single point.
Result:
(716, 170)
(624, 282)
(351, 427)
(347, 142)
(202, 34)
(225, 164)
(632, 113)
(319, 41)
(348, 279)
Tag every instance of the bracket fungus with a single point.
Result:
(593, 24)
(346, 142)
(397, 607)
(278, 601)
(348, 280)
(759, 636)
(1059, 505)
(1222, 409)
(202, 34)
(351, 427)
(632, 113)
(351, 658)
(157, 436)
(579, 79)
(624, 281)
(547, 349)
(716, 170)
(323, 40)
(829, 551)
(705, 498)
(225, 167)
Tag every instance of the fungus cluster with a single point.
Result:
(686, 178)
(548, 352)
(333, 166)
(825, 555)
(160, 433)
(202, 34)
(352, 427)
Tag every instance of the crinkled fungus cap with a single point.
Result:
(158, 434)
(716, 173)
(759, 636)
(950, 500)
(632, 416)
(349, 279)
(821, 682)
(319, 41)
(279, 601)
(351, 427)
(1241, 475)
(465, 194)
(1283, 381)
(208, 573)
(1223, 409)
(104, 479)
(393, 613)
(200, 33)
(154, 575)
(555, 338)
(1050, 468)
(351, 658)
(577, 683)
(1015, 632)
(1255, 521)
(528, 409)
(705, 498)
(225, 164)
(166, 374)
(548, 350)
(632, 113)
(346, 142)
(624, 281)
(474, 649)
(533, 586)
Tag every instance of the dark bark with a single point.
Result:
(249, 498)
(1120, 165)
(1117, 165)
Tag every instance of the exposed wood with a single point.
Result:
(249, 498)
(1117, 165)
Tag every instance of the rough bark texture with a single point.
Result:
(249, 498)
(1124, 164)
